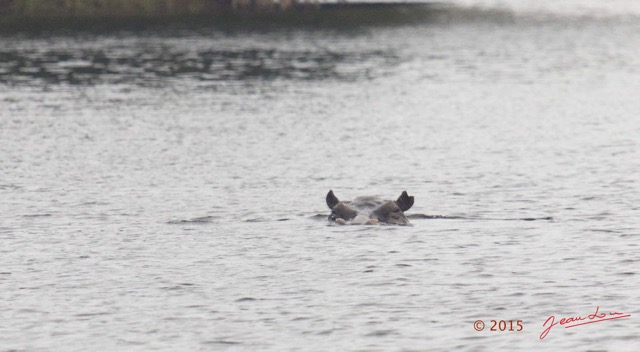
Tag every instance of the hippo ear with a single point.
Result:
(405, 202)
(332, 200)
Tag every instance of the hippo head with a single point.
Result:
(369, 210)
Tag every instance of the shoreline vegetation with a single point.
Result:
(26, 15)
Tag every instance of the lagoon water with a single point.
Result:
(164, 190)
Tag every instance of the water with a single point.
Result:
(165, 190)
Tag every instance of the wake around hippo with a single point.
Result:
(369, 210)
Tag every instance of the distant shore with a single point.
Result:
(20, 15)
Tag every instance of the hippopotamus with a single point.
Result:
(369, 210)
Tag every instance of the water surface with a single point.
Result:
(160, 190)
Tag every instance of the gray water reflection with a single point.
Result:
(151, 64)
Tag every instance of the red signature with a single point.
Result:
(577, 321)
